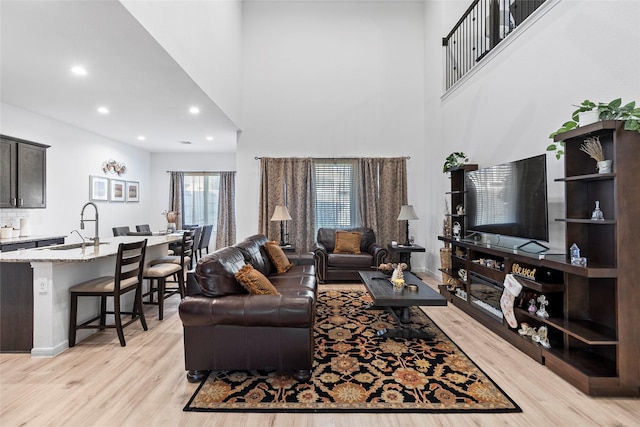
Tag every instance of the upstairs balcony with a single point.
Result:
(482, 27)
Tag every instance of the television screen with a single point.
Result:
(509, 199)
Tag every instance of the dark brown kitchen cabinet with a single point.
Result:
(23, 173)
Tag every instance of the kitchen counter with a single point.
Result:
(28, 239)
(76, 253)
(55, 269)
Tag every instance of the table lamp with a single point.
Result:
(281, 214)
(407, 213)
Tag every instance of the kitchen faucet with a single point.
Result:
(96, 239)
(78, 233)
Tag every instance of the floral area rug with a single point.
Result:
(355, 370)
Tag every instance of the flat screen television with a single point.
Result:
(509, 199)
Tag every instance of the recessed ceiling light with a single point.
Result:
(141, 138)
(194, 110)
(79, 70)
(103, 110)
(209, 138)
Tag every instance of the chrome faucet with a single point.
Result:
(96, 239)
(78, 233)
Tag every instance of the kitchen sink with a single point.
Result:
(71, 246)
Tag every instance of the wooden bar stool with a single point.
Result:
(157, 275)
(162, 268)
(127, 278)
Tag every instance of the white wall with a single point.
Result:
(74, 155)
(331, 79)
(204, 37)
(506, 111)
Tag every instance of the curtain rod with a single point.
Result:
(331, 158)
(199, 171)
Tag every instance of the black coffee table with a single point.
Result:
(381, 291)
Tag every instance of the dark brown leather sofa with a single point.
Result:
(344, 267)
(226, 328)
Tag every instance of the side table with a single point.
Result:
(404, 252)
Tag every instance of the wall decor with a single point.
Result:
(133, 191)
(118, 190)
(114, 167)
(98, 188)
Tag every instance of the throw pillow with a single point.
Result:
(347, 242)
(255, 282)
(277, 257)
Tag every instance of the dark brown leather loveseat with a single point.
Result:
(226, 328)
(332, 266)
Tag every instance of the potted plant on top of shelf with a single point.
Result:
(613, 110)
(454, 160)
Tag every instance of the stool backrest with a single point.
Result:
(120, 231)
(130, 263)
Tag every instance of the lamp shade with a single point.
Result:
(281, 214)
(406, 213)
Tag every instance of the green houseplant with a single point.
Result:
(613, 110)
(453, 160)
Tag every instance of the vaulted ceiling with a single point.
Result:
(146, 92)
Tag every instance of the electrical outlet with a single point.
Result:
(42, 285)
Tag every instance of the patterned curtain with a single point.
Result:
(226, 226)
(176, 196)
(383, 190)
(288, 182)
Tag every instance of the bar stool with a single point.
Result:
(157, 275)
(162, 268)
(127, 278)
(120, 231)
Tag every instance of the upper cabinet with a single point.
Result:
(23, 173)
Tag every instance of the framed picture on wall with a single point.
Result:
(118, 190)
(133, 191)
(98, 188)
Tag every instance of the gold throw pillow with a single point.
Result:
(255, 282)
(278, 257)
(347, 242)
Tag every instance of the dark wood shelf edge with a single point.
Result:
(587, 221)
(582, 330)
(588, 129)
(587, 177)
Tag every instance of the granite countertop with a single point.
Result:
(74, 252)
(27, 239)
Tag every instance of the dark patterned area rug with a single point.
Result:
(357, 371)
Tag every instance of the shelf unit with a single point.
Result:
(457, 194)
(594, 314)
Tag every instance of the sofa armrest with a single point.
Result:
(379, 253)
(248, 310)
(320, 260)
(191, 285)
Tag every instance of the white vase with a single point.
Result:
(588, 117)
(604, 166)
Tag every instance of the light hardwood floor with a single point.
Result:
(99, 383)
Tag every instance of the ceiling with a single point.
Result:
(145, 90)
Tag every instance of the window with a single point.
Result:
(336, 190)
(201, 199)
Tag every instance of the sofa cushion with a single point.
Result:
(215, 273)
(278, 257)
(255, 282)
(255, 256)
(363, 261)
(347, 242)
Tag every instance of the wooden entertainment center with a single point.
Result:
(594, 310)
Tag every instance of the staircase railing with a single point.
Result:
(484, 24)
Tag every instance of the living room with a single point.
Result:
(355, 79)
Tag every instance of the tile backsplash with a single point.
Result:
(11, 217)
